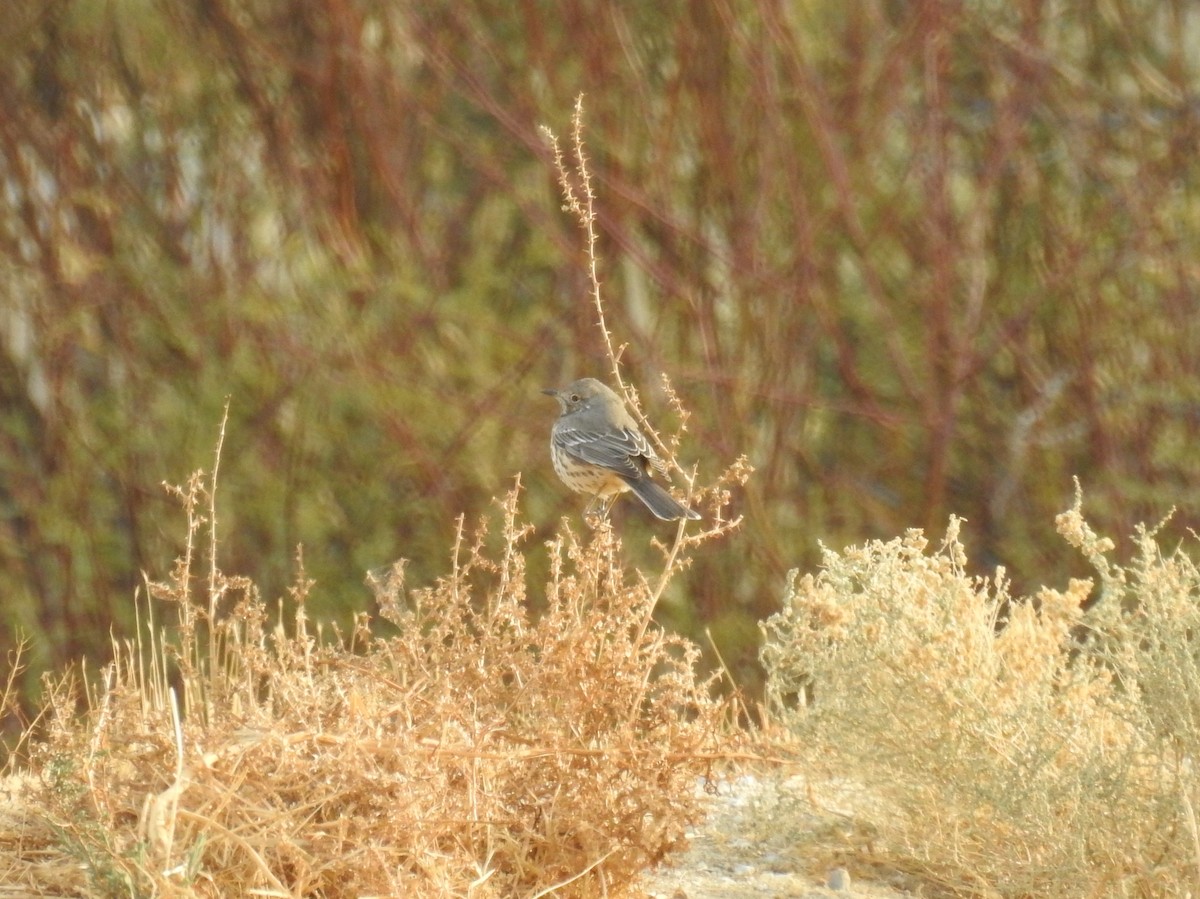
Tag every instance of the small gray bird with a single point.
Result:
(597, 449)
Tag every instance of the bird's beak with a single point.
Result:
(550, 391)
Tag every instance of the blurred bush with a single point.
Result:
(913, 258)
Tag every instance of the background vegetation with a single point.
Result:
(913, 258)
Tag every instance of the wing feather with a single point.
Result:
(625, 451)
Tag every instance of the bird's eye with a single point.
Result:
(574, 397)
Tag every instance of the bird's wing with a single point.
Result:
(624, 451)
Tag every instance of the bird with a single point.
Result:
(597, 449)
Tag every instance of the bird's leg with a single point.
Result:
(597, 509)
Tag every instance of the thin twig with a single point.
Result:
(212, 523)
(580, 200)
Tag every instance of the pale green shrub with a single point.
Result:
(1017, 745)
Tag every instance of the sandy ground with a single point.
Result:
(773, 837)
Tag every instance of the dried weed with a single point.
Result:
(478, 752)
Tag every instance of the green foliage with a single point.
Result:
(913, 259)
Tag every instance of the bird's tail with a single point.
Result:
(660, 502)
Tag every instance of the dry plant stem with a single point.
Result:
(98, 738)
(585, 213)
(669, 569)
(587, 218)
(1190, 816)
(160, 812)
(219, 830)
(15, 669)
(583, 208)
(455, 558)
(558, 886)
(188, 498)
(581, 203)
(212, 534)
(721, 661)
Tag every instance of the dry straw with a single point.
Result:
(478, 752)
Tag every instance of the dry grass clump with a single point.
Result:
(1053, 755)
(476, 753)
